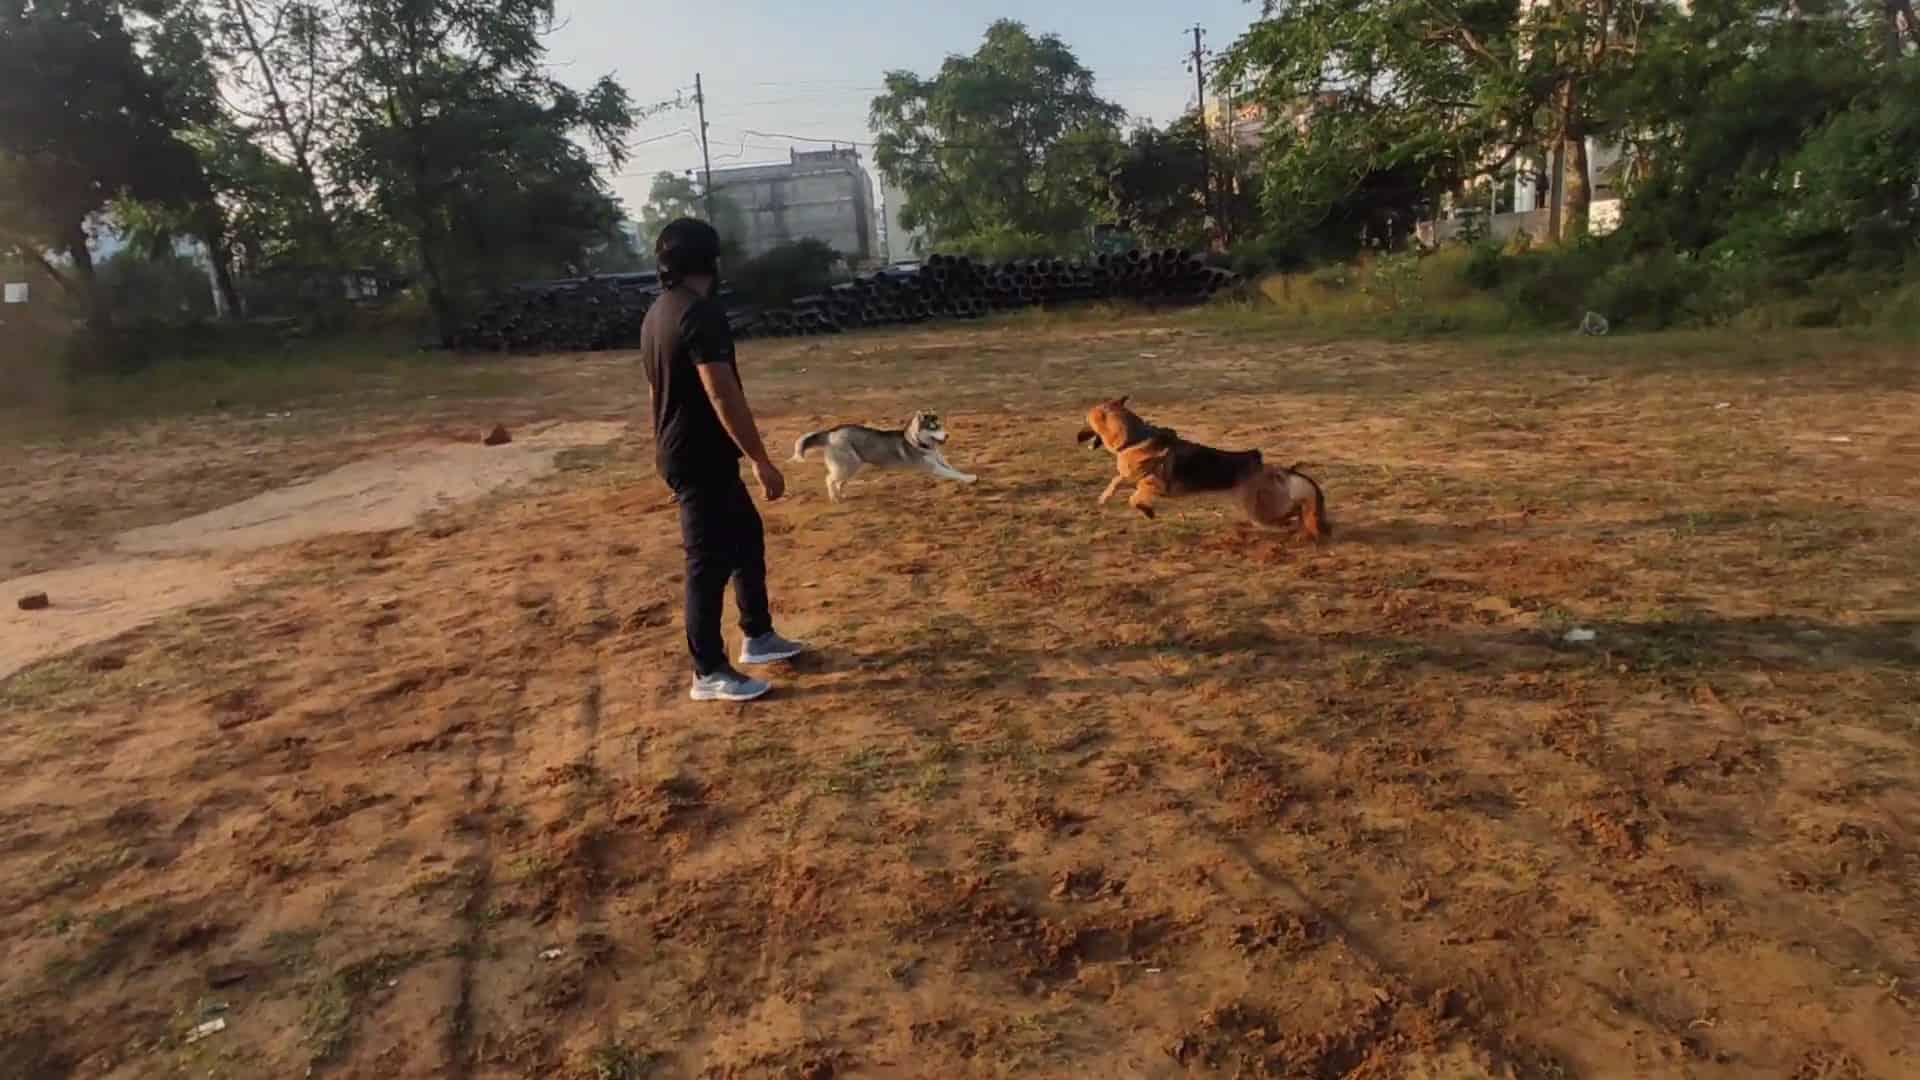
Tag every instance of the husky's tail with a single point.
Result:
(1313, 504)
(1278, 495)
(807, 442)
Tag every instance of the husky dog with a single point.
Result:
(850, 446)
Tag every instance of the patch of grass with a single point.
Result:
(1013, 751)
(463, 882)
(584, 459)
(334, 1005)
(866, 771)
(619, 1061)
(72, 869)
(109, 937)
(291, 951)
(43, 686)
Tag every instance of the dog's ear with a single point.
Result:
(1122, 399)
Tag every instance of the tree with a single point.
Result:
(1418, 95)
(456, 134)
(1776, 135)
(1010, 138)
(174, 45)
(82, 122)
(282, 91)
(1427, 97)
(673, 197)
(1159, 185)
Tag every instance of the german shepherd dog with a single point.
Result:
(1158, 462)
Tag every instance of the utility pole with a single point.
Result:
(706, 163)
(1206, 139)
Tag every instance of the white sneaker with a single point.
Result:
(769, 648)
(727, 686)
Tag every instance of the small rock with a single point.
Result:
(532, 596)
(211, 1027)
(1580, 635)
(552, 954)
(35, 602)
(498, 436)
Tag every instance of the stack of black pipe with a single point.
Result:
(605, 312)
(573, 314)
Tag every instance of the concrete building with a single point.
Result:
(1244, 125)
(899, 240)
(824, 195)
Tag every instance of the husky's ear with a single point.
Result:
(1122, 399)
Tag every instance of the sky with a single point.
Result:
(776, 70)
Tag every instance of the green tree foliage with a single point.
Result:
(1399, 101)
(1012, 137)
(1774, 134)
(674, 197)
(82, 122)
(1159, 186)
(457, 135)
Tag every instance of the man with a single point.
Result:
(702, 426)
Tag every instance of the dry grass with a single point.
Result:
(1063, 792)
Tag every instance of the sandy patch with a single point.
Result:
(375, 495)
(202, 558)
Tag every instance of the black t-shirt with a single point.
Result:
(683, 329)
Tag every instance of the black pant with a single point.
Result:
(725, 541)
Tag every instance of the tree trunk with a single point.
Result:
(437, 300)
(220, 257)
(1897, 13)
(1578, 185)
(1556, 186)
(99, 310)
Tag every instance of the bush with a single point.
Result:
(1549, 286)
(1002, 243)
(1261, 256)
(786, 272)
(173, 290)
(1651, 292)
(1482, 268)
(1336, 278)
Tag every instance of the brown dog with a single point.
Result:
(1158, 462)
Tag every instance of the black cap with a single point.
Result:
(686, 246)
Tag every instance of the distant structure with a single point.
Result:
(1242, 124)
(823, 195)
(899, 239)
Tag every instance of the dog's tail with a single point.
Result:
(1278, 495)
(1313, 504)
(807, 442)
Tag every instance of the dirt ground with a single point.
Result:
(1063, 792)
